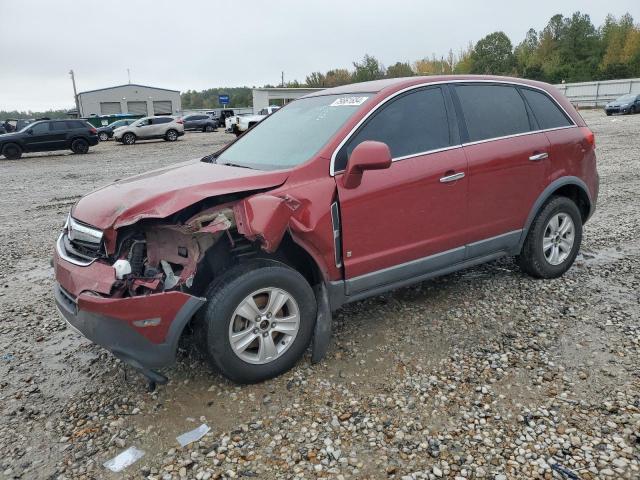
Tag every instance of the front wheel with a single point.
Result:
(103, 136)
(553, 240)
(11, 151)
(128, 139)
(80, 146)
(208, 128)
(258, 320)
(171, 136)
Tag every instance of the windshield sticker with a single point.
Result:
(348, 101)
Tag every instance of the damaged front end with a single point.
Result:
(134, 289)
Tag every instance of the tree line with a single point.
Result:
(567, 49)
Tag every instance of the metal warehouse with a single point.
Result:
(129, 98)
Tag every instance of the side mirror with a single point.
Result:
(369, 155)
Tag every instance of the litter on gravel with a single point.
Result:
(192, 435)
(118, 463)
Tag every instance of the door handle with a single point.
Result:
(452, 178)
(539, 156)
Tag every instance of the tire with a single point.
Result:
(218, 320)
(12, 151)
(208, 128)
(80, 146)
(608, 114)
(103, 136)
(171, 135)
(552, 262)
(632, 110)
(128, 139)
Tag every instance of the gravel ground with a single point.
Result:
(485, 373)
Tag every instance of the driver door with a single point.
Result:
(39, 138)
(410, 219)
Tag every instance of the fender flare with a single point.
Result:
(544, 196)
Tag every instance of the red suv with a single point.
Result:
(340, 195)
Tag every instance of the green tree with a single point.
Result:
(493, 55)
(316, 80)
(368, 69)
(400, 69)
(338, 76)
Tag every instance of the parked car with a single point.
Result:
(168, 128)
(340, 195)
(222, 117)
(199, 122)
(241, 123)
(15, 125)
(49, 135)
(106, 132)
(629, 103)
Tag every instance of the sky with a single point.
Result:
(199, 44)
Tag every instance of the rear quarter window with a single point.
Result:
(546, 111)
(492, 111)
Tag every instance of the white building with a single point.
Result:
(129, 98)
(262, 97)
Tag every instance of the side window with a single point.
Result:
(413, 123)
(547, 113)
(40, 128)
(59, 126)
(159, 121)
(263, 112)
(492, 111)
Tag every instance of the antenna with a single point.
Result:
(75, 93)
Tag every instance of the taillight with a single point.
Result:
(180, 121)
(589, 136)
(93, 131)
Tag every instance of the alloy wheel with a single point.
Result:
(559, 235)
(264, 325)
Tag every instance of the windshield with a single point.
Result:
(27, 126)
(118, 123)
(292, 135)
(626, 98)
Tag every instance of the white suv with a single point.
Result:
(165, 127)
(241, 123)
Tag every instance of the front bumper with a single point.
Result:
(142, 331)
(617, 110)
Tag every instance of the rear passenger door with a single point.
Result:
(397, 221)
(58, 135)
(508, 163)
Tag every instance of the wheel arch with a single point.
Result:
(571, 187)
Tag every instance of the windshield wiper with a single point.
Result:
(237, 165)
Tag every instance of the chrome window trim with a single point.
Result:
(63, 254)
(332, 171)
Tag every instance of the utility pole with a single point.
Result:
(282, 84)
(75, 93)
(129, 76)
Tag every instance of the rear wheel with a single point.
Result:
(553, 240)
(208, 128)
(80, 146)
(128, 139)
(171, 135)
(103, 136)
(258, 320)
(11, 151)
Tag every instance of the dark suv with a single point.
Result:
(49, 135)
(340, 195)
(200, 122)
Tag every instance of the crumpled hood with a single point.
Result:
(162, 192)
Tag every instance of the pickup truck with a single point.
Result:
(239, 124)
